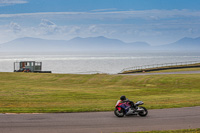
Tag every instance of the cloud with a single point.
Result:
(144, 14)
(155, 18)
(48, 27)
(40, 14)
(12, 2)
(153, 26)
(101, 10)
(93, 28)
(16, 28)
(47, 23)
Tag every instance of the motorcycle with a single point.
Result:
(122, 109)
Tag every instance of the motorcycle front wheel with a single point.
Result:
(119, 113)
(144, 112)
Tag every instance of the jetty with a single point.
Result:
(157, 67)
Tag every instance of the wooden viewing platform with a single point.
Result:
(29, 66)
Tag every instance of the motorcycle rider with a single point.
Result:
(125, 100)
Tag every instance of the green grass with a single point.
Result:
(39, 93)
(173, 131)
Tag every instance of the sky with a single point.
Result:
(156, 22)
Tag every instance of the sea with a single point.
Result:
(92, 63)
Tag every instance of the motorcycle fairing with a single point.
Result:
(124, 106)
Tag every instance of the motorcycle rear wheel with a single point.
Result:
(119, 113)
(144, 112)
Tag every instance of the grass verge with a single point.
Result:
(47, 93)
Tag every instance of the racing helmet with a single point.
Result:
(123, 98)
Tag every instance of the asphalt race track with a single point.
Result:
(100, 122)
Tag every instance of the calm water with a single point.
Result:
(92, 63)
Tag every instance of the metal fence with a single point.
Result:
(160, 65)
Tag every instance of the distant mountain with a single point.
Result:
(101, 43)
(185, 43)
(32, 44)
(96, 40)
(76, 44)
(96, 43)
